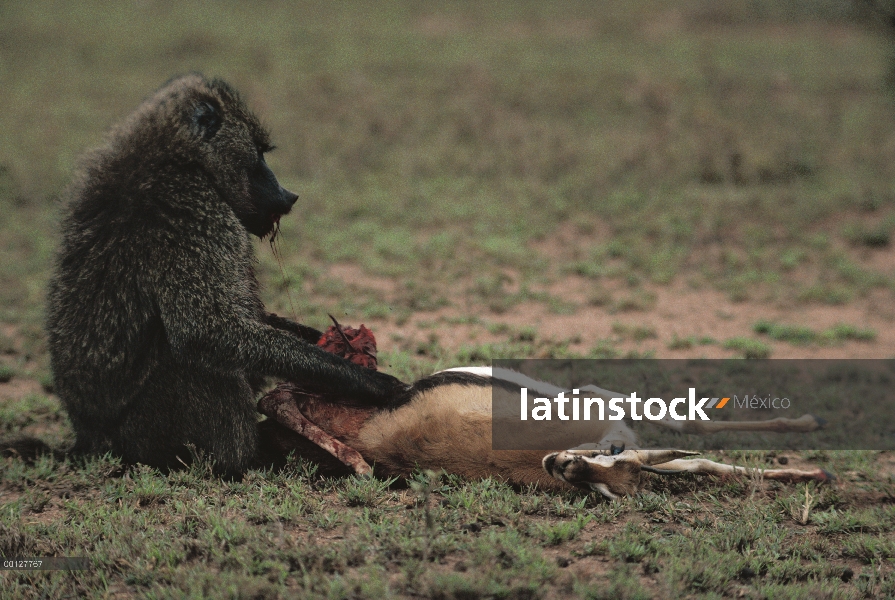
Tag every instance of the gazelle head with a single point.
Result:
(613, 473)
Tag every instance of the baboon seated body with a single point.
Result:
(157, 336)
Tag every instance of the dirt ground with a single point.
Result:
(676, 309)
(688, 307)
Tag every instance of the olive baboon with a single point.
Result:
(157, 335)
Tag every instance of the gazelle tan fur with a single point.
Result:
(447, 424)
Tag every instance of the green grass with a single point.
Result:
(637, 333)
(876, 235)
(801, 336)
(466, 156)
(686, 343)
(748, 347)
(291, 533)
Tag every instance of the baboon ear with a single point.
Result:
(206, 119)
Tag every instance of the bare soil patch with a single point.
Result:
(678, 310)
(354, 276)
(18, 388)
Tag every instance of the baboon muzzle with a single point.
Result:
(287, 198)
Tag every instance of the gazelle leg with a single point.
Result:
(702, 466)
(280, 405)
(804, 424)
(620, 474)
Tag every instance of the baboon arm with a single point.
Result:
(308, 334)
(212, 319)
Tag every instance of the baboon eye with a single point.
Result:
(206, 119)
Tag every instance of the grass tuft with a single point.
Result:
(748, 347)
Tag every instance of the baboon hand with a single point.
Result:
(391, 388)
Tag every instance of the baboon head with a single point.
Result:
(200, 123)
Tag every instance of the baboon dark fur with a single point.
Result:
(158, 339)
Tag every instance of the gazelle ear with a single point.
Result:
(206, 119)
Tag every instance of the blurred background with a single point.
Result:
(618, 178)
(477, 180)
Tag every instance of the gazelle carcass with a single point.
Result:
(445, 421)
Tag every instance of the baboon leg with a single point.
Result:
(218, 421)
(28, 449)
